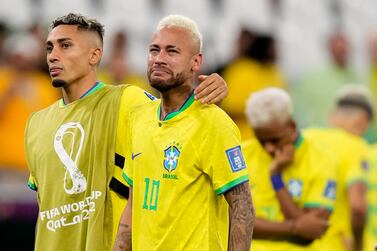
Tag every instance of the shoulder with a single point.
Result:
(45, 112)
(315, 132)
(132, 91)
(250, 145)
(145, 112)
(318, 158)
(134, 97)
(332, 138)
(38, 119)
(214, 115)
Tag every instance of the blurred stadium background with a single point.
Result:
(308, 47)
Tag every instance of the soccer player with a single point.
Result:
(186, 163)
(344, 143)
(370, 231)
(70, 145)
(293, 181)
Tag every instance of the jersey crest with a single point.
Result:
(171, 158)
(295, 187)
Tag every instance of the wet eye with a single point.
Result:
(154, 51)
(65, 45)
(49, 49)
(173, 51)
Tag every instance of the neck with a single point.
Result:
(74, 90)
(173, 100)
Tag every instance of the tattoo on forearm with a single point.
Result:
(242, 217)
(124, 238)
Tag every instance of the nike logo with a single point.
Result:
(135, 155)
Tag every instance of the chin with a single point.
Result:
(58, 83)
(160, 86)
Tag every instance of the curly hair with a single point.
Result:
(82, 22)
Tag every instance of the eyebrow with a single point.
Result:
(173, 47)
(167, 47)
(60, 40)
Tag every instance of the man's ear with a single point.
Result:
(95, 56)
(197, 62)
(293, 126)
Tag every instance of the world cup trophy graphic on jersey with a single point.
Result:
(74, 131)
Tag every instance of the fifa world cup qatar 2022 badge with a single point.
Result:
(68, 145)
(235, 158)
(69, 157)
(171, 157)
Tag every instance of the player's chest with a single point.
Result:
(167, 153)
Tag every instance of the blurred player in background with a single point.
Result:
(344, 143)
(293, 181)
(370, 231)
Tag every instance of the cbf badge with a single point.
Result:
(171, 158)
(295, 187)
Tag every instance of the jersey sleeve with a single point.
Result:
(356, 165)
(223, 159)
(131, 98)
(323, 185)
(32, 182)
(127, 173)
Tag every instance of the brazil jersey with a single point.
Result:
(70, 152)
(179, 168)
(132, 97)
(370, 232)
(308, 179)
(349, 151)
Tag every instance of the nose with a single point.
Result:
(52, 56)
(160, 58)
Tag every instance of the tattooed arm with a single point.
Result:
(123, 241)
(242, 217)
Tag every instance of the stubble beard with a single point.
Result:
(167, 85)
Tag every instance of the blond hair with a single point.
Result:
(183, 22)
(271, 104)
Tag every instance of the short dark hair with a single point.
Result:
(82, 22)
(356, 96)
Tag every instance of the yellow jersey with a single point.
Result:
(92, 123)
(132, 97)
(370, 232)
(349, 151)
(308, 179)
(179, 168)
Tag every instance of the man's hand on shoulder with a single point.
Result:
(212, 89)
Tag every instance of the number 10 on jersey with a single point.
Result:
(151, 194)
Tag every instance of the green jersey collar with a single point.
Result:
(98, 85)
(171, 115)
(299, 140)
